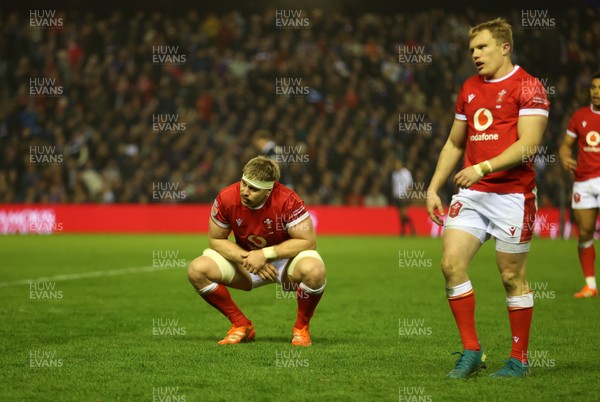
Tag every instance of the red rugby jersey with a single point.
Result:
(585, 127)
(264, 226)
(491, 109)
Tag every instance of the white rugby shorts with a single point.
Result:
(510, 218)
(586, 194)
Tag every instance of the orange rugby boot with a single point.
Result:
(586, 293)
(301, 337)
(238, 335)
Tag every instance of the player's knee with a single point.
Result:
(585, 234)
(312, 271)
(511, 280)
(452, 266)
(198, 269)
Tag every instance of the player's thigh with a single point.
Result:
(241, 280)
(465, 230)
(459, 246)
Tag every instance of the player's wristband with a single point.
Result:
(269, 253)
(487, 167)
(483, 168)
(479, 170)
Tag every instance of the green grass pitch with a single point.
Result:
(89, 330)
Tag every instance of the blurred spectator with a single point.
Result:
(375, 198)
(402, 187)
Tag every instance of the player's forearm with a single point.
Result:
(291, 247)
(532, 129)
(565, 152)
(228, 249)
(449, 158)
(518, 153)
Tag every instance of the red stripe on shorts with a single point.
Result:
(528, 217)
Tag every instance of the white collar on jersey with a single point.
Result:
(516, 67)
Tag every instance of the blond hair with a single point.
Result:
(499, 28)
(262, 168)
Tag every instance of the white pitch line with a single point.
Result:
(83, 275)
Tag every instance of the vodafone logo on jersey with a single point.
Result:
(592, 138)
(481, 121)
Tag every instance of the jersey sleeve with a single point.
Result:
(295, 211)
(572, 127)
(218, 213)
(533, 100)
(459, 108)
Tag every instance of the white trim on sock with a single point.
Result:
(208, 289)
(313, 291)
(586, 244)
(523, 301)
(459, 289)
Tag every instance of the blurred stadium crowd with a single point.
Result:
(225, 80)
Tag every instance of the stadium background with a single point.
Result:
(220, 85)
(97, 317)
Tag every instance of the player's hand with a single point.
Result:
(467, 177)
(253, 261)
(268, 272)
(434, 204)
(569, 164)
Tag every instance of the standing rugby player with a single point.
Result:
(584, 128)
(500, 116)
